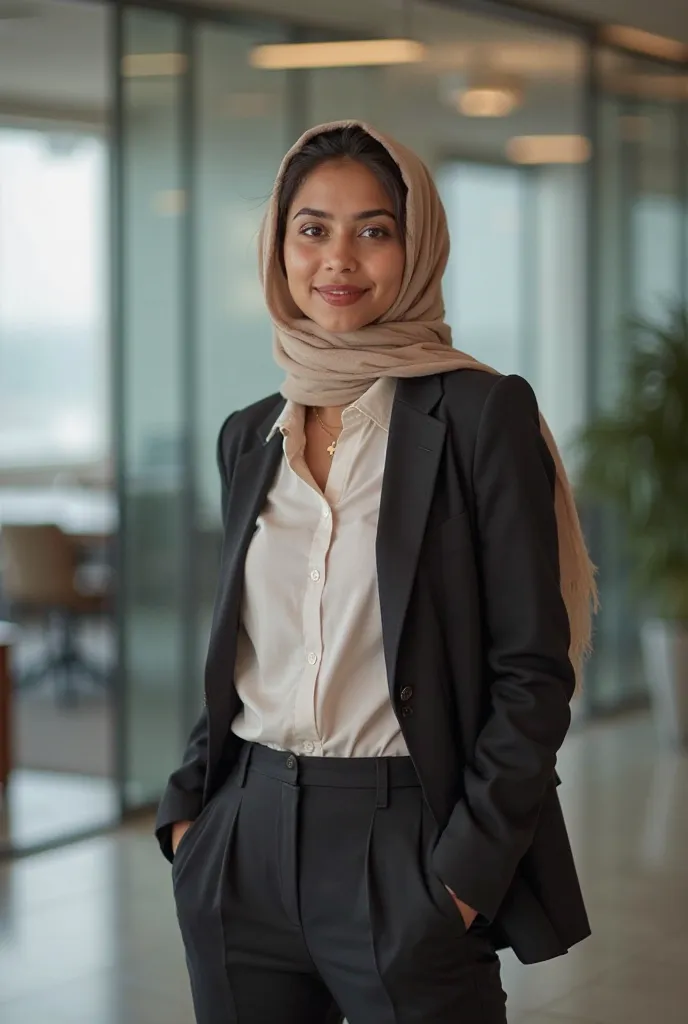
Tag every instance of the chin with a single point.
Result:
(341, 321)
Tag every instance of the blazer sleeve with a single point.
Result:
(183, 796)
(530, 675)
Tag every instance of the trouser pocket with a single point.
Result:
(437, 890)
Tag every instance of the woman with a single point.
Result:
(367, 806)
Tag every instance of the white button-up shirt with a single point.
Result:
(310, 667)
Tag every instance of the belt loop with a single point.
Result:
(382, 770)
(242, 763)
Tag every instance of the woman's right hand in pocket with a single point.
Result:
(178, 830)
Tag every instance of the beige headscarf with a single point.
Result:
(411, 340)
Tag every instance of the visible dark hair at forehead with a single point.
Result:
(356, 144)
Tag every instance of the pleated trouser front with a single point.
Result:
(304, 894)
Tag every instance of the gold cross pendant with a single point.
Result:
(331, 449)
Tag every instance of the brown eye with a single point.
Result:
(375, 231)
(311, 231)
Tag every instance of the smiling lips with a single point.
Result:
(341, 295)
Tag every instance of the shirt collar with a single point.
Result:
(291, 416)
(375, 403)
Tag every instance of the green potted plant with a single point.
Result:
(634, 456)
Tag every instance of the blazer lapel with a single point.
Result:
(414, 450)
(252, 478)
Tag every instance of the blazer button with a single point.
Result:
(406, 693)
(406, 710)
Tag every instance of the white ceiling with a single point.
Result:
(55, 55)
(665, 17)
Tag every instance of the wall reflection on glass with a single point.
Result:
(57, 509)
(242, 133)
(153, 413)
(639, 259)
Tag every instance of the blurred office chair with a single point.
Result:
(40, 574)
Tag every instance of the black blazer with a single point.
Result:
(473, 624)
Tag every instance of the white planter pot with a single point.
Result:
(665, 654)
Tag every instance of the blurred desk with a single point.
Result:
(89, 517)
(8, 635)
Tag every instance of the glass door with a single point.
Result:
(201, 134)
(638, 272)
(242, 130)
(150, 401)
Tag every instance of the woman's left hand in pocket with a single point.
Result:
(467, 913)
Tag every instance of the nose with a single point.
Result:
(340, 258)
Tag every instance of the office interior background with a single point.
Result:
(138, 146)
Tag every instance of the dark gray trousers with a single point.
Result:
(304, 893)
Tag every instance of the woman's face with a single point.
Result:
(343, 254)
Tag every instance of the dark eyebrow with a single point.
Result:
(367, 214)
(364, 215)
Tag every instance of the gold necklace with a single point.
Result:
(332, 447)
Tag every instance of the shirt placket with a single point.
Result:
(309, 742)
(308, 738)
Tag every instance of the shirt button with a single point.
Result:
(407, 693)
(291, 761)
(315, 575)
(308, 747)
(312, 658)
(326, 512)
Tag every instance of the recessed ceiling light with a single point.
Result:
(349, 53)
(487, 101)
(549, 149)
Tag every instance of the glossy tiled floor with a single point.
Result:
(88, 933)
(41, 807)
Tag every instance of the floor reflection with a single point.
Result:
(41, 808)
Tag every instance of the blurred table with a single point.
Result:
(87, 516)
(8, 635)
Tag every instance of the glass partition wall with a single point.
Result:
(58, 526)
(242, 127)
(536, 285)
(639, 264)
(153, 413)
(202, 131)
